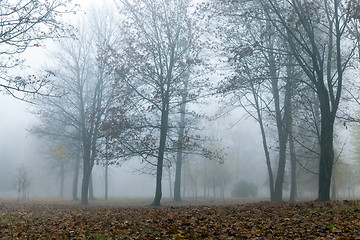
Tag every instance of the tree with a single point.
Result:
(57, 130)
(87, 90)
(59, 154)
(159, 52)
(22, 182)
(262, 81)
(117, 132)
(179, 154)
(316, 32)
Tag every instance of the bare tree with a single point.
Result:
(261, 81)
(316, 32)
(57, 130)
(87, 89)
(60, 155)
(22, 182)
(160, 50)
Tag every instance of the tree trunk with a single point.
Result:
(184, 185)
(268, 162)
(106, 168)
(170, 184)
(91, 188)
(85, 186)
(326, 155)
(289, 124)
(177, 184)
(283, 131)
(76, 178)
(179, 155)
(162, 145)
(333, 188)
(196, 190)
(106, 180)
(62, 176)
(293, 189)
(92, 158)
(279, 182)
(329, 102)
(265, 147)
(223, 188)
(86, 176)
(284, 123)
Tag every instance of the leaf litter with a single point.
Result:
(305, 220)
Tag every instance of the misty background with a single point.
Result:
(20, 148)
(231, 130)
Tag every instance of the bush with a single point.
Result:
(245, 189)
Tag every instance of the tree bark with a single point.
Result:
(162, 145)
(170, 184)
(279, 182)
(91, 188)
(106, 168)
(264, 141)
(62, 176)
(293, 189)
(76, 178)
(333, 187)
(106, 180)
(326, 154)
(85, 186)
(86, 175)
(282, 121)
(179, 155)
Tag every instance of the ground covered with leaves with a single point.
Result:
(307, 220)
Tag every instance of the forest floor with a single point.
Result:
(54, 219)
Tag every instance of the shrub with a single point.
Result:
(245, 189)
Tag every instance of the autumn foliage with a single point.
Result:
(309, 220)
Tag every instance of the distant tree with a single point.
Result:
(117, 134)
(22, 182)
(180, 141)
(344, 176)
(59, 153)
(57, 130)
(87, 90)
(217, 171)
(208, 169)
(305, 140)
(217, 177)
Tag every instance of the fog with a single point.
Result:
(20, 148)
(240, 117)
